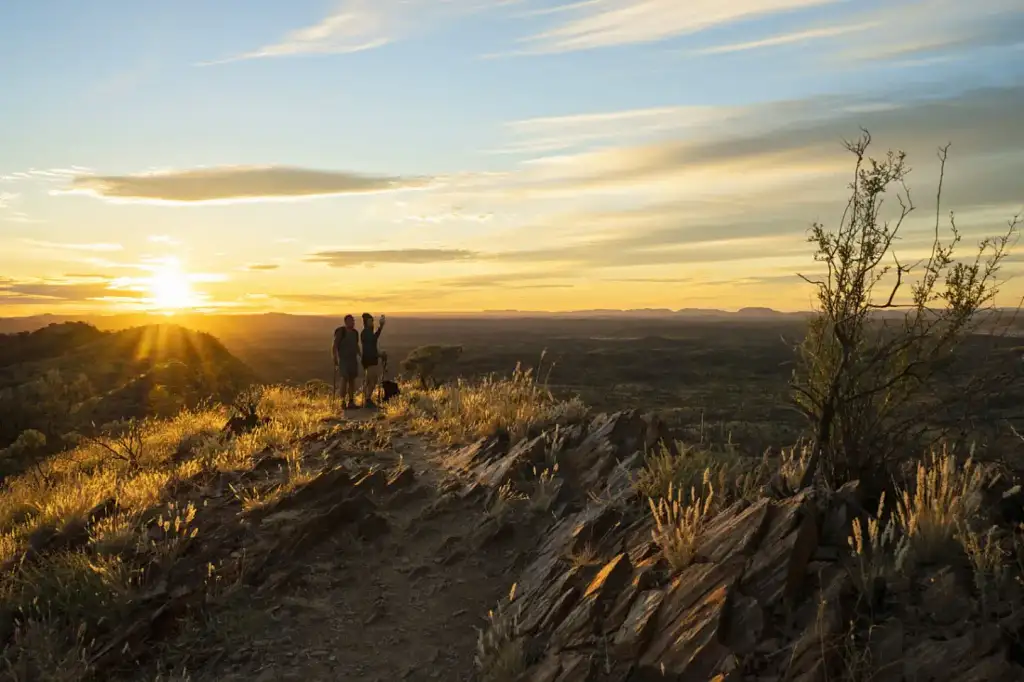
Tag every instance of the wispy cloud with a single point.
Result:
(790, 38)
(258, 267)
(97, 247)
(607, 23)
(64, 291)
(359, 25)
(235, 183)
(904, 33)
(163, 239)
(350, 258)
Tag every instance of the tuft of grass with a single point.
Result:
(500, 655)
(506, 499)
(944, 496)
(878, 550)
(463, 411)
(679, 520)
(988, 562)
(545, 488)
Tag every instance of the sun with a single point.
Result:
(170, 288)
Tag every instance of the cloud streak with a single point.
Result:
(347, 259)
(259, 267)
(360, 25)
(99, 247)
(610, 23)
(236, 183)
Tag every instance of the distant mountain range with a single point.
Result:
(215, 323)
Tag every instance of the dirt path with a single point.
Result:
(404, 606)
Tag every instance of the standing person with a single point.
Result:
(371, 357)
(345, 352)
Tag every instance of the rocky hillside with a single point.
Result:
(361, 548)
(64, 376)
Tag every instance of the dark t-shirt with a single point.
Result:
(369, 339)
(347, 344)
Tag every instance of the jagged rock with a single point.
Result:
(518, 461)
(560, 610)
(885, 646)
(543, 608)
(374, 482)
(405, 478)
(976, 656)
(592, 524)
(576, 668)
(577, 627)
(777, 569)
(548, 670)
(687, 641)
(610, 580)
(323, 489)
(735, 531)
(822, 622)
(635, 631)
(480, 452)
(610, 437)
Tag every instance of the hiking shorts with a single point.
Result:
(349, 369)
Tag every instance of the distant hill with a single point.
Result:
(68, 375)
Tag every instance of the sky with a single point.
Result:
(326, 156)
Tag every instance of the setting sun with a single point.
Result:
(170, 288)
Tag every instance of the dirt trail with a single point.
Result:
(402, 606)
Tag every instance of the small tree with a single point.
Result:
(123, 440)
(867, 380)
(425, 361)
(28, 445)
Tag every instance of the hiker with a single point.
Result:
(345, 351)
(371, 357)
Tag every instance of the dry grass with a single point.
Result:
(464, 411)
(500, 655)
(943, 498)
(878, 550)
(506, 500)
(545, 488)
(679, 520)
(733, 476)
(63, 597)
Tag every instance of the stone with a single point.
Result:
(629, 641)
(777, 569)
(547, 671)
(405, 478)
(577, 627)
(513, 465)
(559, 595)
(373, 482)
(885, 644)
(687, 637)
(735, 531)
(576, 668)
(610, 580)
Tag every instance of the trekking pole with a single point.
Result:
(334, 383)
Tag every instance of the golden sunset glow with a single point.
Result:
(170, 288)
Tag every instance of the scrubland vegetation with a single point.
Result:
(90, 529)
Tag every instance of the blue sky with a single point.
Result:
(466, 154)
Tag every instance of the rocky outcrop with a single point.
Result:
(768, 597)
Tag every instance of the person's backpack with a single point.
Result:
(390, 389)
